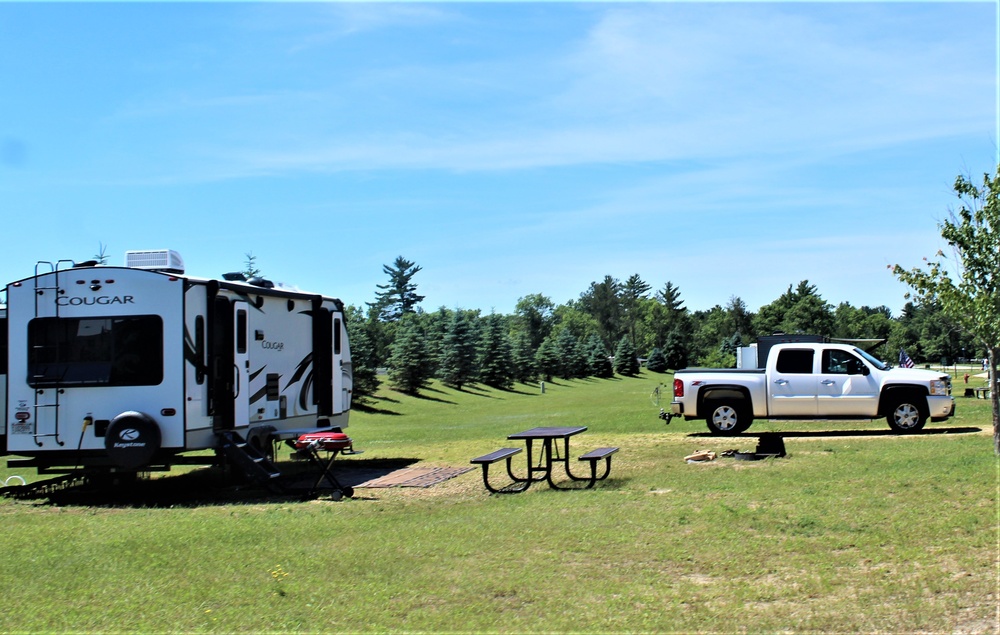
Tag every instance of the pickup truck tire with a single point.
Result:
(906, 414)
(727, 417)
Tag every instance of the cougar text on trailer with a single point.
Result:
(126, 368)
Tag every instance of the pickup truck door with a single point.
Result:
(793, 382)
(845, 388)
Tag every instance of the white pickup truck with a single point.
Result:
(812, 381)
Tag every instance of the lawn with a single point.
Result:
(856, 530)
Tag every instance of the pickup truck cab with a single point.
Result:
(812, 381)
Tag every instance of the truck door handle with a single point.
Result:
(829, 382)
(781, 382)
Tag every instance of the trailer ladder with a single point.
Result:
(254, 464)
(56, 388)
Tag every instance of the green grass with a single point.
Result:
(866, 532)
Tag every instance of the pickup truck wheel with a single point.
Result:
(906, 416)
(727, 418)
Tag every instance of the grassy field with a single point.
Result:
(856, 530)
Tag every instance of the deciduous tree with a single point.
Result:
(533, 315)
(967, 285)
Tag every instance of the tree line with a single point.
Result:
(606, 330)
(954, 315)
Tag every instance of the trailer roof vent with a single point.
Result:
(165, 260)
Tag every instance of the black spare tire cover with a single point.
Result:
(132, 439)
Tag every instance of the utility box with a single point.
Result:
(765, 342)
(746, 357)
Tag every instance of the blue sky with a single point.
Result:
(732, 149)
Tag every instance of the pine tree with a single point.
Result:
(675, 350)
(409, 362)
(457, 360)
(625, 359)
(633, 292)
(598, 364)
(657, 361)
(250, 269)
(603, 302)
(364, 368)
(572, 364)
(399, 296)
(547, 359)
(525, 369)
(496, 366)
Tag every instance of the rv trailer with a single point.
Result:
(126, 369)
(3, 372)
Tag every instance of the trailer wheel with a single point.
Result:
(260, 439)
(132, 439)
(727, 416)
(906, 415)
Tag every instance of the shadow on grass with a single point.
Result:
(215, 486)
(373, 409)
(478, 390)
(819, 434)
(418, 395)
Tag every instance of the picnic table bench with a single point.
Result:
(499, 455)
(596, 455)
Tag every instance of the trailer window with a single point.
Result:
(199, 349)
(241, 332)
(336, 337)
(112, 351)
(3, 346)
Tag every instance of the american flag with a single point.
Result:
(904, 359)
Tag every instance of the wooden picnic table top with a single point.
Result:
(548, 432)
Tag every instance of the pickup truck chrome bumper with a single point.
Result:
(941, 408)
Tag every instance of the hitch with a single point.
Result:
(666, 416)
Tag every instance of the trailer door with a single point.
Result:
(241, 365)
(322, 359)
(230, 390)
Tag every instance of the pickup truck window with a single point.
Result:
(795, 361)
(837, 362)
(877, 363)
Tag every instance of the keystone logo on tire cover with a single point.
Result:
(129, 434)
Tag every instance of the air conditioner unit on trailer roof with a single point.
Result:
(166, 260)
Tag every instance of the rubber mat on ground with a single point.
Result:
(415, 477)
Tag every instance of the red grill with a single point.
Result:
(328, 441)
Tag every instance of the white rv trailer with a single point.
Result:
(126, 368)
(3, 367)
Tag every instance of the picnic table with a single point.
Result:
(549, 455)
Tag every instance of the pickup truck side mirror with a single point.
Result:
(855, 367)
